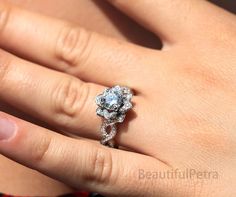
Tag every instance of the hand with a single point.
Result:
(184, 106)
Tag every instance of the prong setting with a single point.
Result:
(113, 103)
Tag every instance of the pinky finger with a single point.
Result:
(77, 162)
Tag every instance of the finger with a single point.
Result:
(56, 98)
(65, 47)
(7, 108)
(174, 20)
(79, 163)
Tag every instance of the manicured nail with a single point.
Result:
(7, 129)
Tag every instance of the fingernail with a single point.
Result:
(7, 129)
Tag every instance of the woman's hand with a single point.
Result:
(183, 120)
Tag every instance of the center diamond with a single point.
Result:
(112, 100)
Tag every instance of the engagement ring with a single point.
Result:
(113, 104)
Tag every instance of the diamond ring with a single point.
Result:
(113, 104)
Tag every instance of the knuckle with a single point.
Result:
(99, 166)
(41, 148)
(4, 16)
(73, 46)
(204, 78)
(5, 67)
(69, 99)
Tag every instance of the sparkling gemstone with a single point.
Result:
(99, 99)
(112, 100)
(129, 96)
(116, 88)
(100, 112)
(126, 90)
(109, 115)
(121, 118)
(126, 107)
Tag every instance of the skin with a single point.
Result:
(21, 180)
(206, 132)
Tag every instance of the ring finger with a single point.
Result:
(62, 100)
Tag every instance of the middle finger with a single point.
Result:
(68, 48)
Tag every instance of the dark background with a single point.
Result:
(227, 4)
